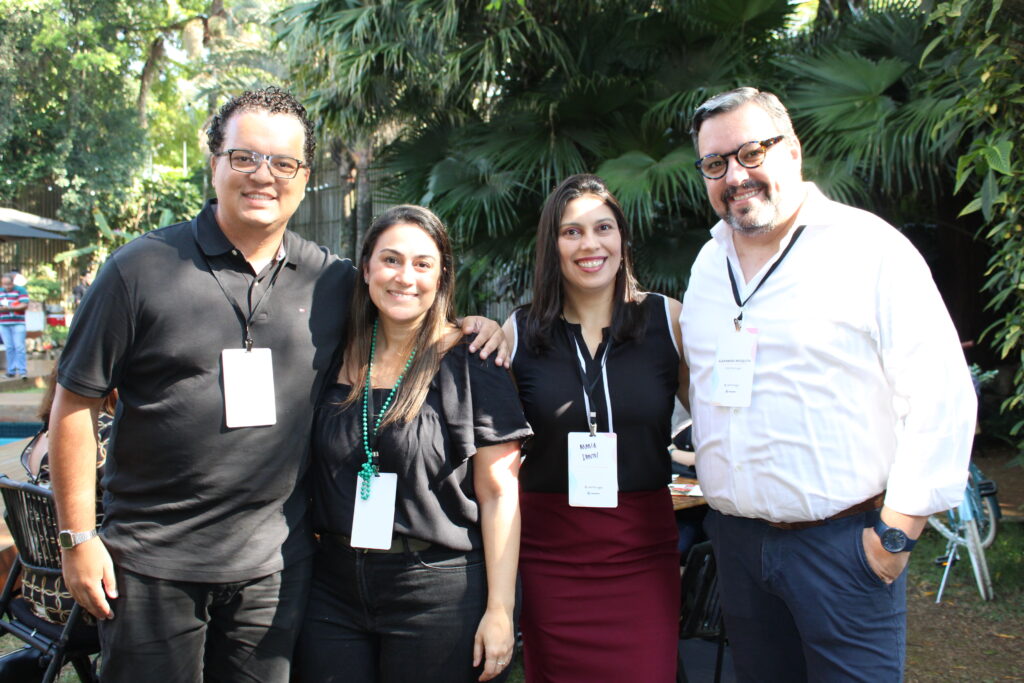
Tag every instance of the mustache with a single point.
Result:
(745, 186)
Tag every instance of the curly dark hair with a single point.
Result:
(272, 100)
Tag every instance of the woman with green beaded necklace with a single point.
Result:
(414, 481)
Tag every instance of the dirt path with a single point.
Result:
(963, 639)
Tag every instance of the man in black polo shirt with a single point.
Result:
(217, 333)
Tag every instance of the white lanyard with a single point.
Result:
(591, 415)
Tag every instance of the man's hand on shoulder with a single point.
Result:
(489, 337)
(89, 576)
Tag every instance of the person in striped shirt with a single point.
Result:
(13, 302)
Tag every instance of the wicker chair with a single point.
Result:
(32, 520)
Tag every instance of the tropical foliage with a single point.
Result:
(103, 101)
(984, 42)
(478, 108)
(911, 109)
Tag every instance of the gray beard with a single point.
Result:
(755, 220)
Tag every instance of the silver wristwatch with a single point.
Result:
(69, 539)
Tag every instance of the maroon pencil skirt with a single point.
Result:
(600, 589)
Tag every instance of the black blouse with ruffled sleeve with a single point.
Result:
(471, 404)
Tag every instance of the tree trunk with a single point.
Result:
(149, 72)
(342, 227)
(834, 10)
(363, 157)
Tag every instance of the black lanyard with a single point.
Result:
(732, 278)
(244, 319)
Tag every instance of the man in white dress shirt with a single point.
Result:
(833, 410)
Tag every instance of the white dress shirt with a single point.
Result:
(860, 383)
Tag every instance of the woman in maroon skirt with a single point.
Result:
(598, 366)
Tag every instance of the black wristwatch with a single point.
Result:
(894, 540)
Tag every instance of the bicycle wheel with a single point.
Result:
(978, 561)
(985, 509)
(987, 517)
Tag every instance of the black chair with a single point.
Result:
(32, 520)
(701, 613)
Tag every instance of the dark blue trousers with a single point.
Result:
(803, 605)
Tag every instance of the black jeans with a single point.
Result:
(392, 618)
(184, 632)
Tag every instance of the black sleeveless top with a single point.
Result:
(643, 377)
(471, 403)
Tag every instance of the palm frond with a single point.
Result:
(641, 182)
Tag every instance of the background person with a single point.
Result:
(433, 602)
(13, 304)
(826, 379)
(79, 290)
(600, 584)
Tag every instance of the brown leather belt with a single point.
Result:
(872, 503)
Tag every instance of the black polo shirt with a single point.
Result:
(187, 498)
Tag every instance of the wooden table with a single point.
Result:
(683, 501)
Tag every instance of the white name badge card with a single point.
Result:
(373, 519)
(732, 378)
(248, 388)
(593, 470)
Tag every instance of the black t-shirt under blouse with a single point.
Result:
(643, 376)
(471, 404)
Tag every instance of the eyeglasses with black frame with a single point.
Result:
(749, 155)
(248, 161)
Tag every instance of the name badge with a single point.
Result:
(373, 520)
(248, 388)
(593, 470)
(732, 377)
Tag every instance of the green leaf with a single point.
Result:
(971, 207)
(101, 223)
(996, 4)
(989, 190)
(928, 50)
(985, 43)
(964, 166)
(998, 156)
(72, 254)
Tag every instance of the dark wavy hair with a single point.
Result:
(272, 100)
(429, 338)
(628, 318)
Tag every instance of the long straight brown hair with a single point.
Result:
(628, 318)
(429, 337)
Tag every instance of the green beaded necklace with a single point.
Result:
(371, 468)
